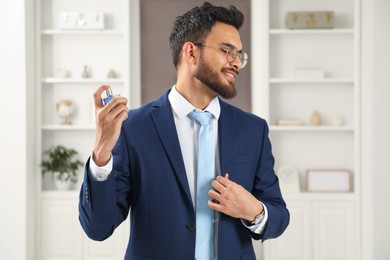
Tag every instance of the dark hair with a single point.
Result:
(195, 24)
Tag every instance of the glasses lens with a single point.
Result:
(243, 58)
(232, 54)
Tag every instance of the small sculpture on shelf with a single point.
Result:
(85, 73)
(338, 120)
(65, 109)
(111, 74)
(315, 119)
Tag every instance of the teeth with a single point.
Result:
(230, 75)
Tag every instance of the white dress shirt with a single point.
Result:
(187, 131)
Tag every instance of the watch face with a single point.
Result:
(260, 217)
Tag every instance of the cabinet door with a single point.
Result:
(60, 230)
(296, 242)
(113, 248)
(62, 237)
(335, 232)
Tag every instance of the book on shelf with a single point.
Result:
(289, 122)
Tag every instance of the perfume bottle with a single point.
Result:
(109, 96)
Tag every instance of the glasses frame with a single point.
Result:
(230, 56)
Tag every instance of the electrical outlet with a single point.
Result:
(81, 21)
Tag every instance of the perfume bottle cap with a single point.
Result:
(109, 92)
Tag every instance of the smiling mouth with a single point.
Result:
(230, 74)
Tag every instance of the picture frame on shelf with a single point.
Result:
(328, 180)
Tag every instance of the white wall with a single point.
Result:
(381, 128)
(376, 129)
(15, 153)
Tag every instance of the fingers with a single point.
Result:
(123, 115)
(116, 107)
(119, 114)
(224, 181)
(220, 185)
(97, 96)
(215, 205)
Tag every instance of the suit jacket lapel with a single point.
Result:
(226, 135)
(165, 125)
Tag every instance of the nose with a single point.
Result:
(237, 64)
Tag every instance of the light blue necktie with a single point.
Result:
(204, 246)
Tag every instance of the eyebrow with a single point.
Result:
(231, 45)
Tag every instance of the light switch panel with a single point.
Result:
(81, 21)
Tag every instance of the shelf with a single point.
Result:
(69, 194)
(302, 80)
(50, 32)
(319, 196)
(83, 81)
(276, 128)
(310, 31)
(68, 127)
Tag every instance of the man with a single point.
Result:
(149, 159)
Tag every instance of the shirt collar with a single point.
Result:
(182, 107)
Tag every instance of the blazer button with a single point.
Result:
(191, 227)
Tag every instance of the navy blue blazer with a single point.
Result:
(149, 178)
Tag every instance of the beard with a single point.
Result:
(213, 80)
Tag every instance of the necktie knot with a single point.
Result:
(202, 118)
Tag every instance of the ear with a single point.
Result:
(189, 53)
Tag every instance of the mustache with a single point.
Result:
(230, 69)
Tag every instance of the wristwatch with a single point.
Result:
(259, 218)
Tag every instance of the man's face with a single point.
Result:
(213, 68)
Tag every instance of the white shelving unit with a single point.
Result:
(58, 231)
(323, 225)
(71, 50)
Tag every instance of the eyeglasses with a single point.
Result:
(231, 53)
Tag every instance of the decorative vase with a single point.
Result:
(315, 118)
(85, 73)
(61, 184)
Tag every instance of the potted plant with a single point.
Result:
(61, 162)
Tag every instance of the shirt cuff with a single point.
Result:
(99, 173)
(259, 225)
